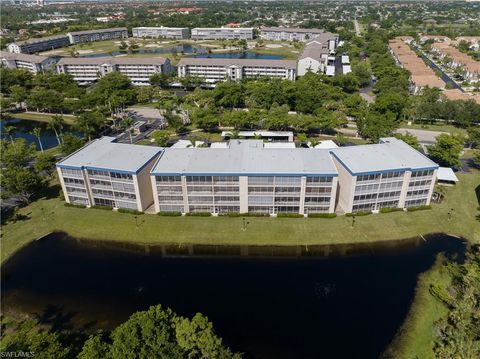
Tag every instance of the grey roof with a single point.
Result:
(323, 38)
(112, 60)
(292, 64)
(40, 39)
(292, 29)
(389, 155)
(35, 59)
(105, 154)
(245, 157)
(314, 50)
(97, 31)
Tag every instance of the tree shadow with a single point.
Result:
(49, 192)
(58, 320)
(477, 192)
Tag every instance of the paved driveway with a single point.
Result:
(424, 136)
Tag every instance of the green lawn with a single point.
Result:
(417, 334)
(47, 215)
(41, 117)
(435, 127)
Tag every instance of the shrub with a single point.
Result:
(418, 208)
(254, 214)
(290, 215)
(106, 208)
(389, 210)
(359, 214)
(129, 211)
(232, 214)
(74, 205)
(199, 214)
(170, 214)
(322, 215)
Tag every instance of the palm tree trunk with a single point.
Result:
(40, 143)
(58, 137)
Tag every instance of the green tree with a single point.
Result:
(474, 136)
(375, 125)
(20, 181)
(409, 139)
(161, 138)
(37, 133)
(56, 124)
(446, 150)
(9, 131)
(89, 123)
(45, 162)
(16, 153)
(70, 144)
(160, 80)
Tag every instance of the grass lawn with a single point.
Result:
(417, 334)
(435, 127)
(41, 117)
(47, 215)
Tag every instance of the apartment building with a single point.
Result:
(110, 174)
(32, 63)
(222, 33)
(390, 174)
(244, 177)
(87, 70)
(214, 70)
(316, 54)
(289, 34)
(78, 37)
(420, 74)
(178, 33)
(457, 59)
(32, 46)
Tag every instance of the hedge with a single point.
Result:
(74, 205)
(290, 215)
(199, 214)
(129, 211)
(106, 208)
(389, 210)
(322, 215)
(419, 208)
(170, 214)
(360, 213)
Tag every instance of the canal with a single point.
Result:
(329, 302)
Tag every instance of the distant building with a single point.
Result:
(275, 136)
(32, 63)
(87, 70)
(32, 46)
(289, 34)
(219, 33)
(78, 37)
(105, 173)
(214, 70)
(166, 32)
(315, 55)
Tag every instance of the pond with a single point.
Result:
(23, 129)
(326, 301)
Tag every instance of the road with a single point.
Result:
(424, 136)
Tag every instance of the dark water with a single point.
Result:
(25, 127)
(340, 306)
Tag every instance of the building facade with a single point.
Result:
(244, 177)
(289, 34)
(32, 63)
(220, 33)
(216, 70)
(78, 37)
(33, 46)
(248, 176)
(105, 173)
(316, 54)
(390, 174)
(88, 70)
(178, 33)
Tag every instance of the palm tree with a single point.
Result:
(128, 123)
(56, 125)
(9, 131)
(36, 132)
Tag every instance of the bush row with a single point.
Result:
(419, 208)
(322, 215)
(170, 214)
(129, 211)
(359, 213)
(74, 205)
(198, 214)
(389, 210)
(290, 215)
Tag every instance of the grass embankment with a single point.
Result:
(41, 117)
(47, 215)
(417, 334)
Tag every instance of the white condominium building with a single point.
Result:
(219, 33)
(77, 37)
(32, 63)
(248, 176)
(166, 32)
(289, 34)
(110, 174)
(138, 70)
(32, 46)
(214, 69)
(388, 174)
(245, 177)
(315, 56)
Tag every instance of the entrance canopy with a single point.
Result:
(446, 175)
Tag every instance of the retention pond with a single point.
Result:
(343, 301)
